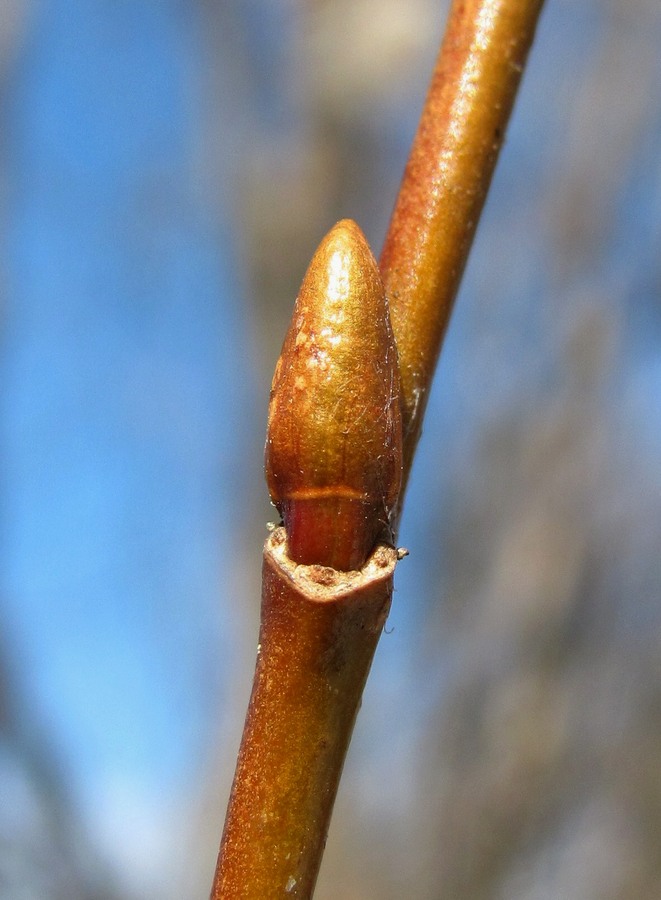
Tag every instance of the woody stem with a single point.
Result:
(445, 184)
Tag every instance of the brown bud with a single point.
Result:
(334, 442)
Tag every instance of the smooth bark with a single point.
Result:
(445, 184)
(319, 631)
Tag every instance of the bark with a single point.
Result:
(318, 634)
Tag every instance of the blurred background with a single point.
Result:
(166, 170)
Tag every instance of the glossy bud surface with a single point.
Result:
(334, 437)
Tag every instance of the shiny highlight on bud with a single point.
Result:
(334, 437)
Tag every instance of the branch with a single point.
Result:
(445, 184)
(336, 449)
(317, 639)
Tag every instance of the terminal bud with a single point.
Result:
(334, 437)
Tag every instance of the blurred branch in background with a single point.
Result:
(44, 851)
(332, 93)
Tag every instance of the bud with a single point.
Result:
(334, 436)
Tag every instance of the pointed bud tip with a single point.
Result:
(333, 449)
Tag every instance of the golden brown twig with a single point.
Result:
(320, 624)
(318, 634)
(445, 184)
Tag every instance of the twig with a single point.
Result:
(445, 184)
(319, 631)
(335, 476)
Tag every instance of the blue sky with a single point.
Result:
(124, 380)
